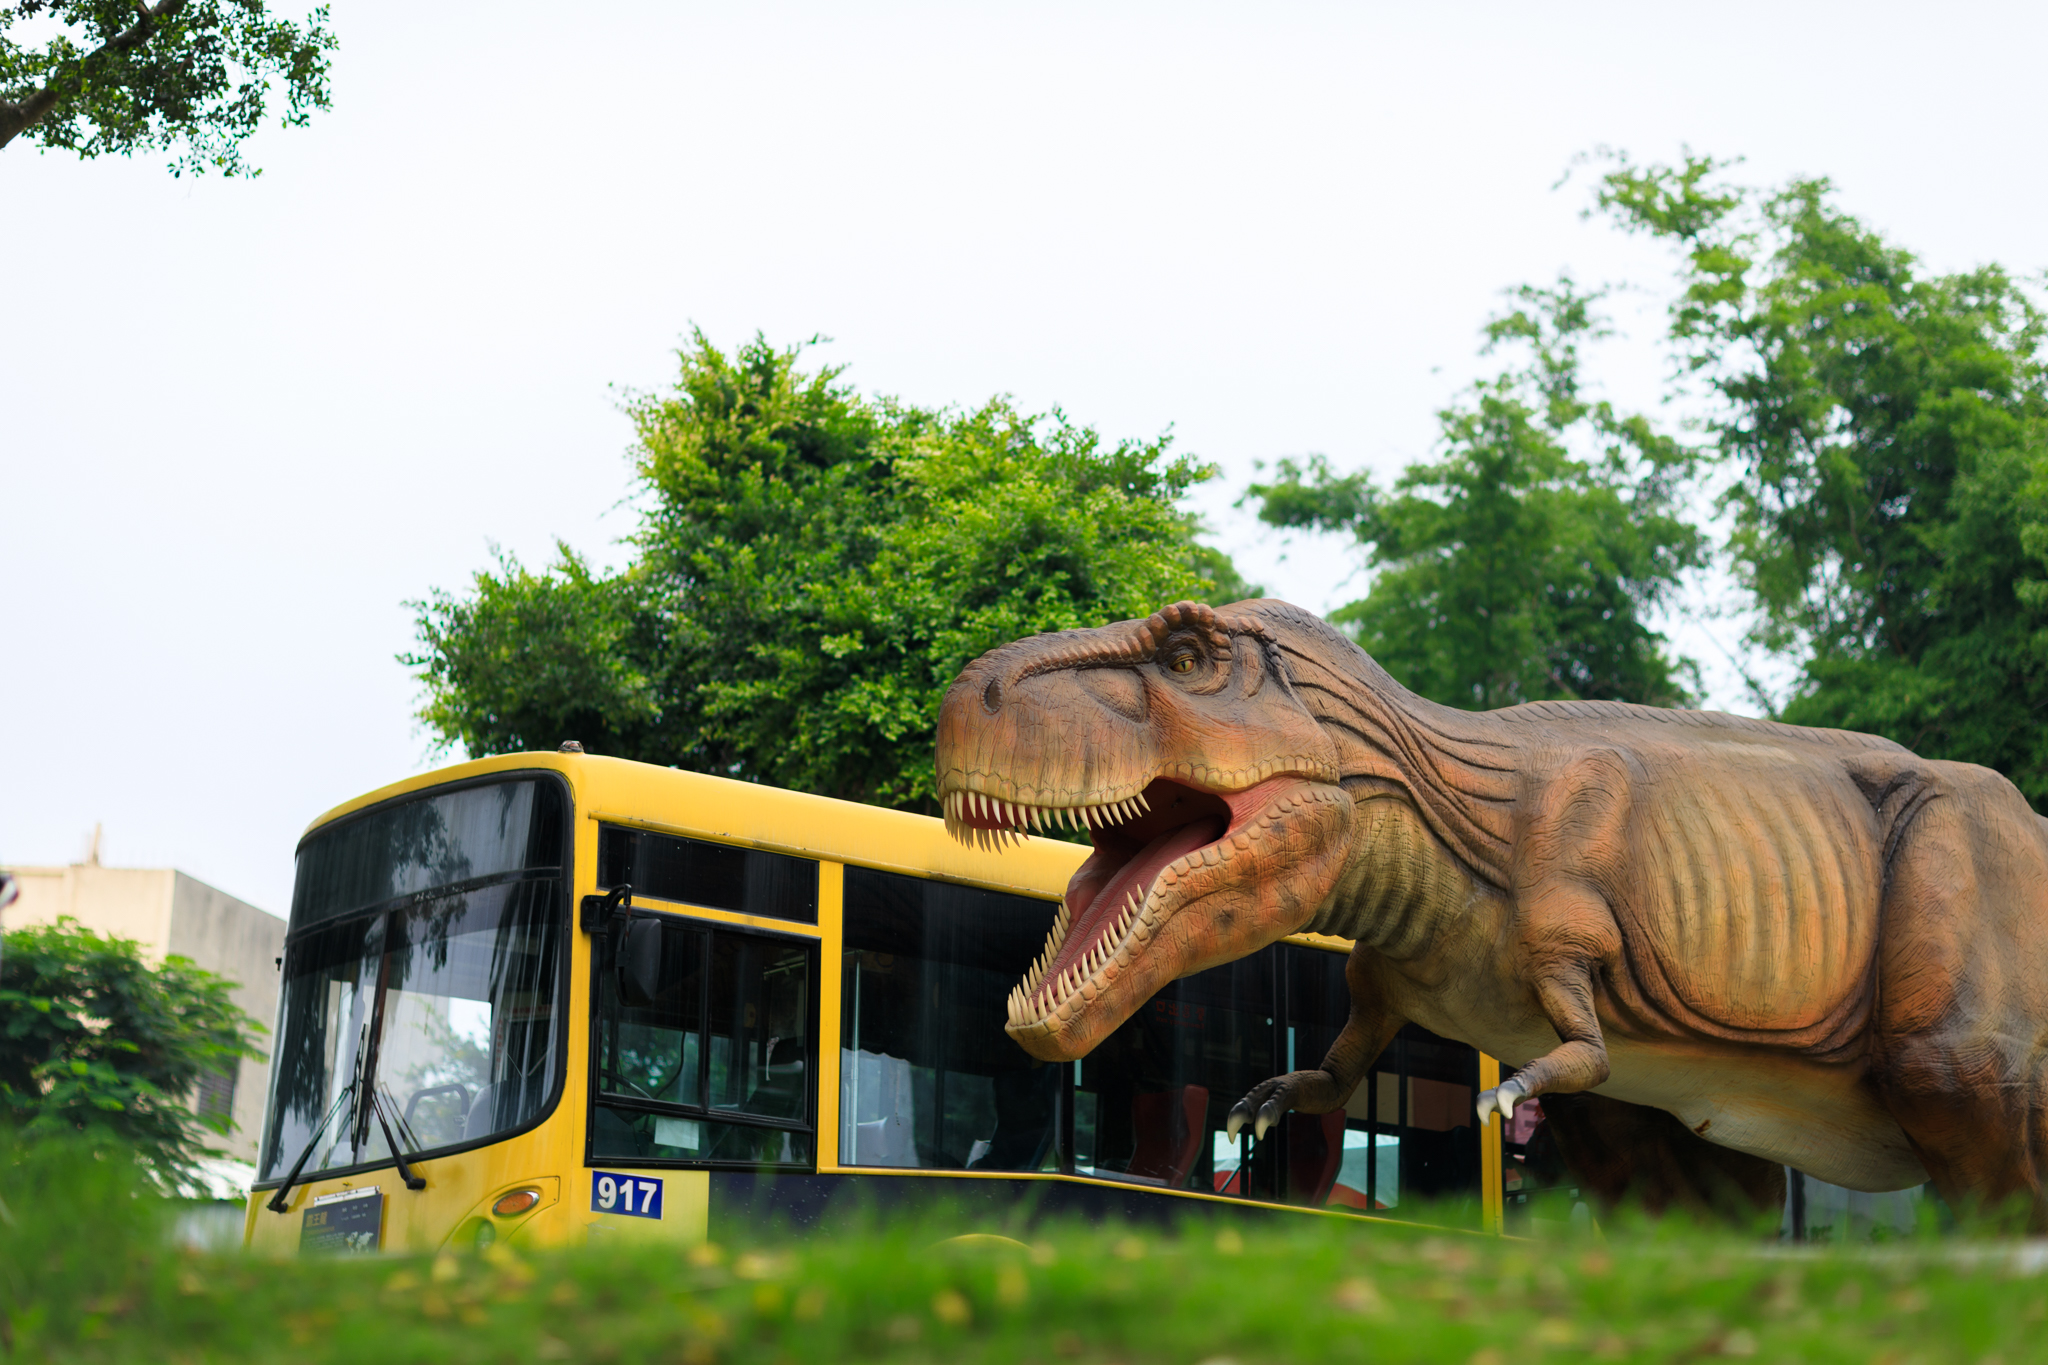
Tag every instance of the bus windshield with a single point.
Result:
(421, 1004)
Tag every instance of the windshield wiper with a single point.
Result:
(277, 1202)
(380, 1106)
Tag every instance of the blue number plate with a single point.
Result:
(636, 1195)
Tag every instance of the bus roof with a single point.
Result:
(620, 791)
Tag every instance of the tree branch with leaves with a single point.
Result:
(1883, 428)
(114, 77)
(1524, 564)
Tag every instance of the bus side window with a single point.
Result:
(715, 1066)
(928, 1077)
(696, 872)
(1151, 1102)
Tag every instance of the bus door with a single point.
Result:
(704, 1036)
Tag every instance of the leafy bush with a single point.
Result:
(96, 1043)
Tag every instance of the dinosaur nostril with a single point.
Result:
(992, 696)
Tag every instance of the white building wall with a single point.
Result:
(242, 943)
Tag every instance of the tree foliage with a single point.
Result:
(96, 1043)
(812, 569)
(1885, 433)
(112, 77)
(1523, 563)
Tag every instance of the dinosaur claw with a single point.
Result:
(1270, 1113)
(1235, 1121)
(1502, 1099)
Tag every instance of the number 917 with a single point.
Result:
(613, 1192)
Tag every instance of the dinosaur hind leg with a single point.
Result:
(1632, 1154)
(1960, 1056)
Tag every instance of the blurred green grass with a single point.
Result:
(87, 1274)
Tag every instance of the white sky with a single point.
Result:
(242, 422)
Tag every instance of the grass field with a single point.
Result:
(86, 1274)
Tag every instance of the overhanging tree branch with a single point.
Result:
(18, 118)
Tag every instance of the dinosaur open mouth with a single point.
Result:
(1110, 912)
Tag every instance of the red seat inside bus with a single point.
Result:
(1168, 1126)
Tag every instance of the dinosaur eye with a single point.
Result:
(1183, 663)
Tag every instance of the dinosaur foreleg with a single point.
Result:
(1577, 1063)
(1365, 1035)
(1569, 857)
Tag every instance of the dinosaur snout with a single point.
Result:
(1043, 738)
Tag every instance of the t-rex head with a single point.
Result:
(1209, 790)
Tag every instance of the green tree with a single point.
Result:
(121, 76)
(96, 1043)
(1513, 569)
(812, 569)
(1884, 430)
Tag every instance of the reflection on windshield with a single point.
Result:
(449, 1008)
(438, 840)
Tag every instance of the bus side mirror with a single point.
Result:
(636, 957)
(600, 912)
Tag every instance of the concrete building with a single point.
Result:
(170, 913)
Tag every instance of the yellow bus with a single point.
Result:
(555, 997)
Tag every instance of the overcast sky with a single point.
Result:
(242, 422)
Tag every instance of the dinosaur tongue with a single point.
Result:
(1112, 875)
(1129, 856)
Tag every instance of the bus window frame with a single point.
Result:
(564, 974)
(813, 943)
(608, 823)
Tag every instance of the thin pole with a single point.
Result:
(1372, 1136)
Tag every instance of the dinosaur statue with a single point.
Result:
(1736, 942)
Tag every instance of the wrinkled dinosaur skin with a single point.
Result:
(1809, 947)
